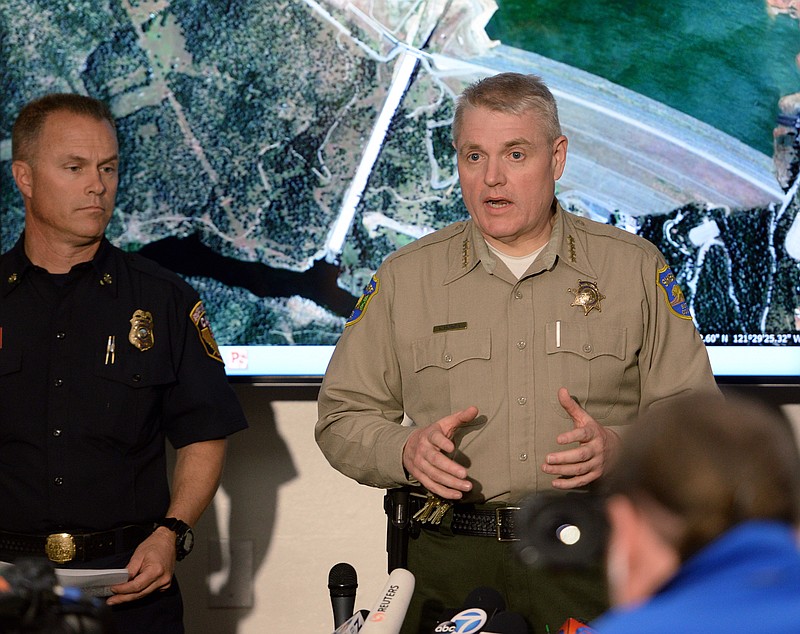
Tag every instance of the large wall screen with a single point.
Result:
(275, 151)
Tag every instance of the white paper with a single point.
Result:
(95, 583)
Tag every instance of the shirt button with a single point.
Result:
(523, 457)
(58, 481)
(58, 383)
(60, 335)
(137, 378)
(522, 400)
(521, 345)
(517, 294)
(448, 358)
(56, 433)
(587, 347)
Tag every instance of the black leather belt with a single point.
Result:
(498, 522)
(62, 548)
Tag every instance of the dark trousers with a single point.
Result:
(157, 613)
(160, 612)
(448, 567)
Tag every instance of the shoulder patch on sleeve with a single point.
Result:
(673, 293)
(370, 290)
(200, 321)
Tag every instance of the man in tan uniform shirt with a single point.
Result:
(515, 383)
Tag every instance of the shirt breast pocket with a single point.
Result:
(132, 395)
(455, 364)
(10, 362)
(589, 362)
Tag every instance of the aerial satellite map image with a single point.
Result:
(275, 151)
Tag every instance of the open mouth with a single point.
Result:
(497, 203)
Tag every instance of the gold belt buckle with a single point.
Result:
(498, 523)
(60, 547)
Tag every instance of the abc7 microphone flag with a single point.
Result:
(480, 605)
(468, 621)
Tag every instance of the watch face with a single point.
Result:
(184, 541)
(187, 542)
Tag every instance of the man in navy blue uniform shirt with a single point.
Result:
(104, 355)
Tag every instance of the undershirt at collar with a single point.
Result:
(517, 264)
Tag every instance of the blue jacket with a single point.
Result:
(747, 580)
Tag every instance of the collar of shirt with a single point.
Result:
(15, 265)
(566, 245)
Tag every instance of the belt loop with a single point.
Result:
(446, 525)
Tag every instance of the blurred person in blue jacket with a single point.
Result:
(703, 505)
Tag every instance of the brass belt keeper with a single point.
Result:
(60, 547)
(498, 522)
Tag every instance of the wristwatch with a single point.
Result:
(185, 537)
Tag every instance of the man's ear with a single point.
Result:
(559, 156)
(641, 559)
(23, 177)
(623, 516)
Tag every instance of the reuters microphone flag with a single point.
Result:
(389, 611)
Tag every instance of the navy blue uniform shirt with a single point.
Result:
(84, 412)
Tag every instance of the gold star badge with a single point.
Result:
(587, 296)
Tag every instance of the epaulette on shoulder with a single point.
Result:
(437, 237)
(600, 229)
(154, 269)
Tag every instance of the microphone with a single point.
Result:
(342, 585)
(506, 623)
(389, 611)
(354, 624)
(480, 605)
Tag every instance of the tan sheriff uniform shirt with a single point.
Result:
(445, 325)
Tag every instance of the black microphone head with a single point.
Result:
(506, 623)
(342, 580)
(478, 608)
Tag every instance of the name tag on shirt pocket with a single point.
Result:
(448, 349)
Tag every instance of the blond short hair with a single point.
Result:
(32, 117)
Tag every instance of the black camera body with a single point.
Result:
(32, 602)
(562, 530)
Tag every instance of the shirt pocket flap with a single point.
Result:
(10, 361)
(446, 350)
(585, 342)
(138, 374)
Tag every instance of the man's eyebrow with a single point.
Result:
(78, 158)
(517, 141)
(469, 147)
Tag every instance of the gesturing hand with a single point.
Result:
(424, 456)
(583, 464)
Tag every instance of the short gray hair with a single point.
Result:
(512, 93)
